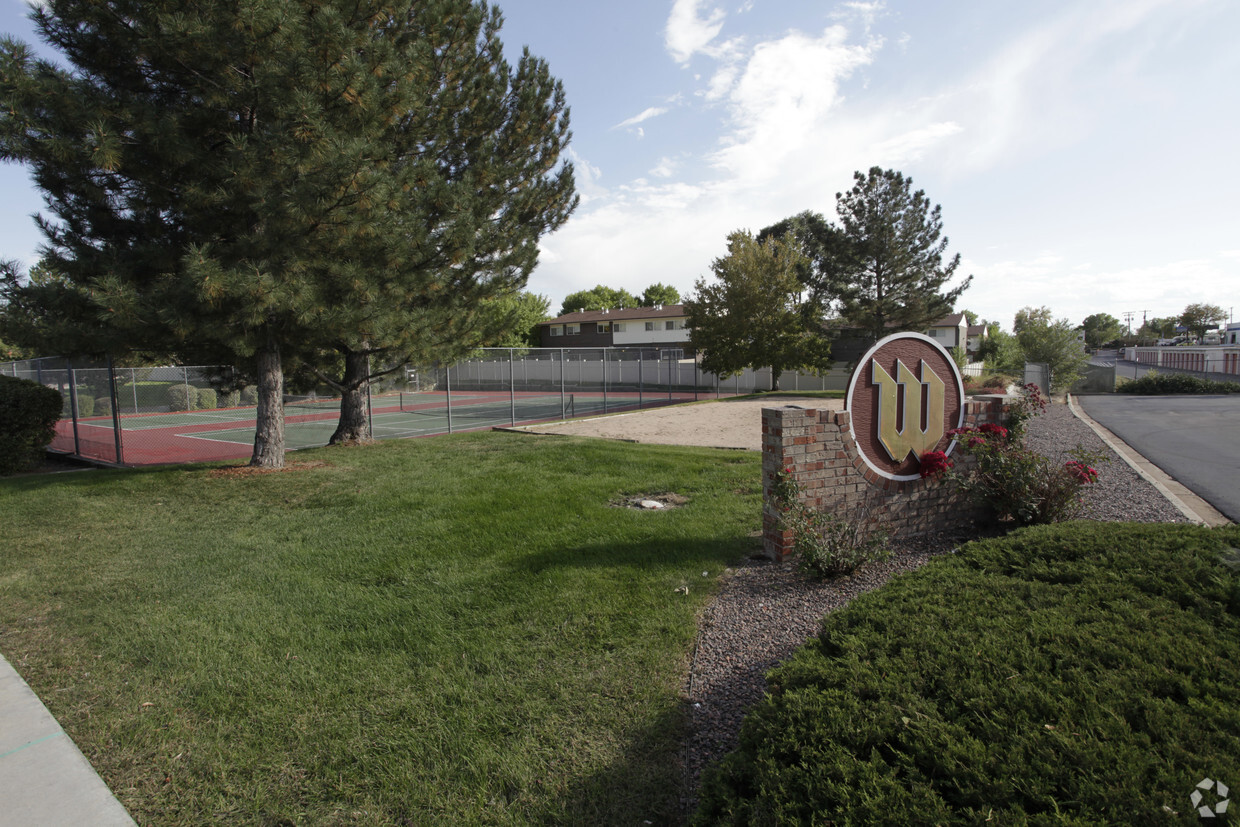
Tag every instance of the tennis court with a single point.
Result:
(228, 433)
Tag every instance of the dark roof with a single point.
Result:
(953, 320)
(664, 311)
(977, 330)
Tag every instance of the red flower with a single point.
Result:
(934, 464)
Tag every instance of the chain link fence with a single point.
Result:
(173, 414)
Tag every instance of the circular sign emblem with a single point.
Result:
(904, 396)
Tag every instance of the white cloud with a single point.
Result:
(665, 168)
(690, 28)
(645, 115)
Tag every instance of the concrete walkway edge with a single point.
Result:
(44, 778)
(1194, 508)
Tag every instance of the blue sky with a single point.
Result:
(1085, 154)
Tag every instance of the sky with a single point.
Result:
(1086, 155)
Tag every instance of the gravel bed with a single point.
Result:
(764, 611)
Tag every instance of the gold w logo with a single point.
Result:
(910, 435)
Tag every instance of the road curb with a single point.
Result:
(1194, 508)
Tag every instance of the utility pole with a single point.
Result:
(1128, 314)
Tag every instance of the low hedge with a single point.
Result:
(207, 399)
(1079, 673)
(1168, 383)
(28, 415)
(182, 398)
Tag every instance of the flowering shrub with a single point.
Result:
(1029, 403)
(827, 545)
(1019, 486)
(934, 464)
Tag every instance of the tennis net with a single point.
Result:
(499, 410)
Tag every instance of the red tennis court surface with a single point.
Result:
(228, 433)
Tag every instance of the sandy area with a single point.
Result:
(725, 423)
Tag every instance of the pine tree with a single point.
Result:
(266, 181)
(899, 274)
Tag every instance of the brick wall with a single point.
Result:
(819, 447)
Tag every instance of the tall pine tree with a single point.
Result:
(266, 181)
(898, 276)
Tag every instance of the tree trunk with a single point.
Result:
(354, 425)
(775, 374)
(269, 430)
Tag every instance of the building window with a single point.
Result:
(669, 325)
(572, 329)
(604, 328)
(557, 330)
(618, 327)
(650, 325)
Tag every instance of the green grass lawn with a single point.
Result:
(457, 630)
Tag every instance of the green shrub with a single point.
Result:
(28, 415)
(1029, 403)
(182, 398)
(85, 405)
(1076, 674)
(826, 545)
(249, 396)
(232, 399)
(103, 406)
(207, 399)
(1166, 383)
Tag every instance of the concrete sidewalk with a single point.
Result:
(44, 779)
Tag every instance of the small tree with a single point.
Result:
(515, 319)
(900, 276)
(1101, 328)
(754, 316)
(1055, 344)
(599, 297)
(1199, 318)
(659, 294)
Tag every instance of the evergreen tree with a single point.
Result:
(898, 276)
(515, 319)
(272, 181)
(755, 314)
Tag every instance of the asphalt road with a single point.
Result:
(1195, 439)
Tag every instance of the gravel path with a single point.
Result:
(764, 611)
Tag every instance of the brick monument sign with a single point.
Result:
(905, 394)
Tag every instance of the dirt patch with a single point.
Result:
(726, 423)
(650, 502)
(234, 471)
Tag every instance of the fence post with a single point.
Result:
(133, 381)
(73, 408)
(604, 367)
(447, 384)
(640, 402)
(563, 410)
(512, 389)
(116, 412)
(191, 402)
(370, 406)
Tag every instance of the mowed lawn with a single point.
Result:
(456, 630)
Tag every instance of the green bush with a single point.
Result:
(826, 545)
(232, 399)
(182, 398)
(207, 399)
(249, 395)
(28, 415)
(1082, 673)
(85, 405)
(103, 406)
(1166, 383)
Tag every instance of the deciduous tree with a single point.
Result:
(1199, 318)
(754, 314)
(1054, 344)
(659, 294)
(285, 180)
(599, 297)
(1101, 328)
